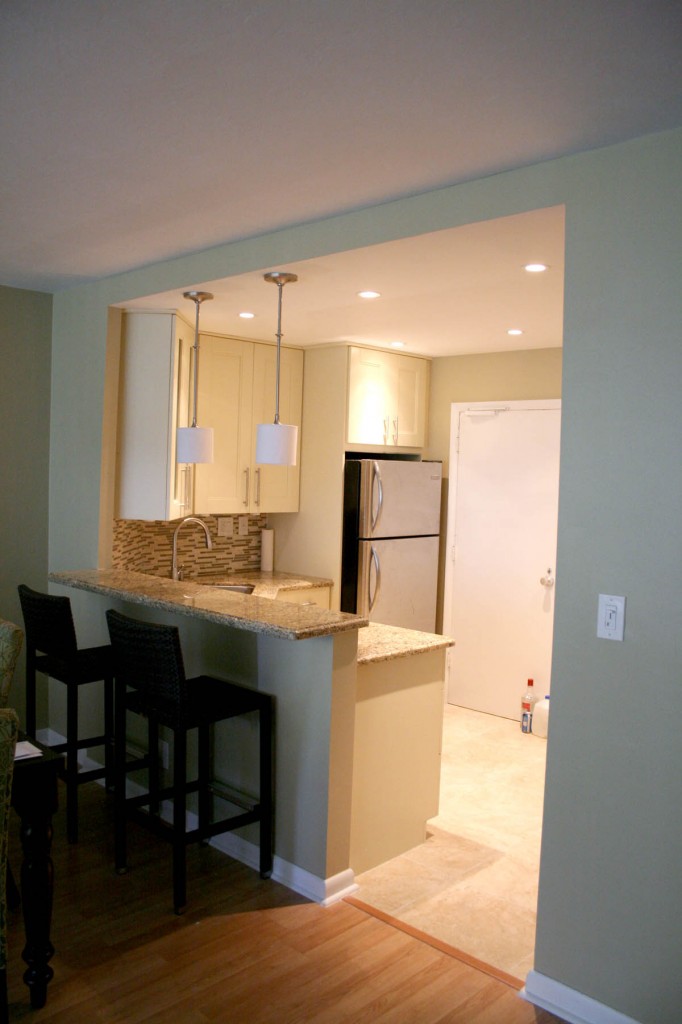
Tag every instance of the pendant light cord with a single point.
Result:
(280, 285)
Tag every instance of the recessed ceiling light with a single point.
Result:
(247, 316)
(369, 295)
(514, 330)
(535, 268)
(397, 344)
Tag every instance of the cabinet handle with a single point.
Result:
(258, 487)
(246, 487)
(395, 429)
(185, 487)
(386, 422)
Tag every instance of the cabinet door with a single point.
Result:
(153, 392)
(409, 387)
(224, 486)
(276, 488)
(368, 415)
(387, 398)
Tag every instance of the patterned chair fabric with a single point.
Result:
(9, 726)
(11, 639)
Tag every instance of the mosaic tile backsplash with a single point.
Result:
(143, 546)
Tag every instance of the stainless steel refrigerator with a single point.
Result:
(391, 533)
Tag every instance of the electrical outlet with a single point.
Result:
(224, 526)
(243, 526)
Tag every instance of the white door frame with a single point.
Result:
(480, 408)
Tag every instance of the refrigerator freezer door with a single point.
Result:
(400, 499)
(397, 582)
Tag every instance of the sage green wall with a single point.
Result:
(610, 907)
(25, 336)
(493, 377)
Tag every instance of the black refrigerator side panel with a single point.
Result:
(351, 531)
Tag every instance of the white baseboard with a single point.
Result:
(324, 891)
(568, 1003)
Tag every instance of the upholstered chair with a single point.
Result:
(11, 639)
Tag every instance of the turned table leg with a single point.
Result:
(34, 797)
(37, 880)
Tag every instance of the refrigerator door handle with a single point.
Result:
(377, 570)
(376, 477)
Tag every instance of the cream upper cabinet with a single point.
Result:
(236, 392)
(154, 399)
(387, 399)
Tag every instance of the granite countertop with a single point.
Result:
(256, 612)
(384, 643)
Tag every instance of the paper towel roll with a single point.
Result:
(267, 548)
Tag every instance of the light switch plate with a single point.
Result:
(611, 617)
(243, 526)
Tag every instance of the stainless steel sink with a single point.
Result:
(237, 588)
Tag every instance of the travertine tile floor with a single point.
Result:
(474, 882)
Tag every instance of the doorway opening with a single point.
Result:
(473, 883)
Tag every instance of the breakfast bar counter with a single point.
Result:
(358, 711)
(259, 612)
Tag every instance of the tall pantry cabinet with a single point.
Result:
(154, 399)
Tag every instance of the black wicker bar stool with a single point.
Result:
(52, 649)
(150, 681)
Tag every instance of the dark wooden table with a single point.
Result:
(35, 799)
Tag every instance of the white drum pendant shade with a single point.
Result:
(276, 444)
(194, 444)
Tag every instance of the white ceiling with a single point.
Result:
(143, 129)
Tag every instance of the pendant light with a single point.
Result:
(276, 442)
(195, 444)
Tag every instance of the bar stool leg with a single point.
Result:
(179, 804)
(266, 800)
(72, 763)
(153, 767)
(204, 769)
(120, 852)
(109, 733)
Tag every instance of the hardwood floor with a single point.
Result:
(246, 950)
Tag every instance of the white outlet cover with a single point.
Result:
(611, 617)
(225, 526)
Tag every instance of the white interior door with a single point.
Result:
(502, 527)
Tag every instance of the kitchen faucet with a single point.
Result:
(176, 573)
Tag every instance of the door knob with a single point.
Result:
(548, 580)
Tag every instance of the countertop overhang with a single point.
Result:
(255, 612)
(385, 643)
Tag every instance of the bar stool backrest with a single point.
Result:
(11, 639)
(148, 658)
(49, 623)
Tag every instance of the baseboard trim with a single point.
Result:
(324, 891)
(573, 1006)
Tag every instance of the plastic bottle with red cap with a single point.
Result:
(527, 705)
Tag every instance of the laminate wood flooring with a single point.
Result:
(246, 951)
